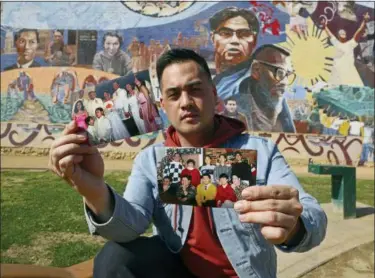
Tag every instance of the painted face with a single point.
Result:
(231, 106)
(342, 34)
(26, 45)
(92, 95)
(188, 98)
(111, 45)
(234, 41)
(58, 37)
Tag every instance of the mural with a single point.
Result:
(283, 67)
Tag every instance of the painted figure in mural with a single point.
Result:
(120, 98)
(144, 56)
(63, 87)
(92, 103)
(367, 45)
(119, 131)
(298, 23)
(232, 112)
(147, 108)
(79, 114)
(57, 53)
(343, 70)
(23, 83)
(102, 126)
(112, 59)
(134, 50)
(12, 91)
(134, 108)
(234, 33)
(367, 154)
(27, 41)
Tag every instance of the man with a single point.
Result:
(102, 126)
(186, 192)
(168, 191)
(260, 91)
(238, 186)
(232, 112)
(27, 41)
(234, 35)
(222, 168)
(241, 169)
(93, 102)
(195, 241)
(121, 102)
(206, 192)
(225, 192)
(57, 53)
(174, 169)
(193, 172)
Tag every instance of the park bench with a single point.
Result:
(82, 270)
(343, 187)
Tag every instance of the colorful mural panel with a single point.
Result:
(295, 67)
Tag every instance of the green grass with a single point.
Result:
(42, 218)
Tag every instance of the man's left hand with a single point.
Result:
(275, 208)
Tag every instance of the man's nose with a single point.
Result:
(27, 45)
(235, 39)
(186, 99)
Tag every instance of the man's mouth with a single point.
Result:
(233, 51)
(189, 116)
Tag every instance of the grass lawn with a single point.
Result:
(43, 222)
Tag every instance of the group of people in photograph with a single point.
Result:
(209, 185)
(127, 112)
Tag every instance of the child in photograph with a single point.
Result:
(168, 191)
(186, 192)
(222, 168)
(93, 137)
(134, 108)
(241, 169)
(225, 192)
(79, 114)
(190, 170)
(207, 167)
(206, 192)
(174, 169)
(238, 186)
(102, 126)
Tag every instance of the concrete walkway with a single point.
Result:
(342, 235)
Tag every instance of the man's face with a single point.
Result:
(111, 45)
(58, 37)
(115, 86)
(238, 157)
(206, 180)
(98, 114)
(185, 182)
(223, 181)
(234, 41)
(222, 159)
(231, 106)
(81, 93)
(92, 95)
(106, 95)
(166, 183)
(270, 76)
(177, 158)
(190, 165)
(188, 97)
(27, 45)
(236, 181)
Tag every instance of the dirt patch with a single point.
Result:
(41, 248)
(358, 263)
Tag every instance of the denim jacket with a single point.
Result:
(250, 254)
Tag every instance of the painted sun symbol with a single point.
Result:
(311, 54)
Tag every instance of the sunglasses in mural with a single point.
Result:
(210, 177)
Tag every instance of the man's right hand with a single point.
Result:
(81, 166)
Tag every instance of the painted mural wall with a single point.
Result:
(300, 72)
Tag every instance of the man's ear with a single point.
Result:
(255, 70)
(162, 104)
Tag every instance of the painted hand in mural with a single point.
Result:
(81, 166)
(276, 208)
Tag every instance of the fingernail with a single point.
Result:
(238, 206)
(241, 217)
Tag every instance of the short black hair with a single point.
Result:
(186, 176)
(229, 99)
(168, 178)
(113, 34)
(231, 12)
(180, 55)
(99, 109)
(223, 175)
(87, 120)
(275, 47)
(223, 154)
(59, 30)
(238, 153)
(25, 30)
(206, 175)
(190, 161)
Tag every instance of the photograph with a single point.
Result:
(204, 177)
(117, 109)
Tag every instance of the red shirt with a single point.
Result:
(224, 194)
(195, 176)
(202, 253)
